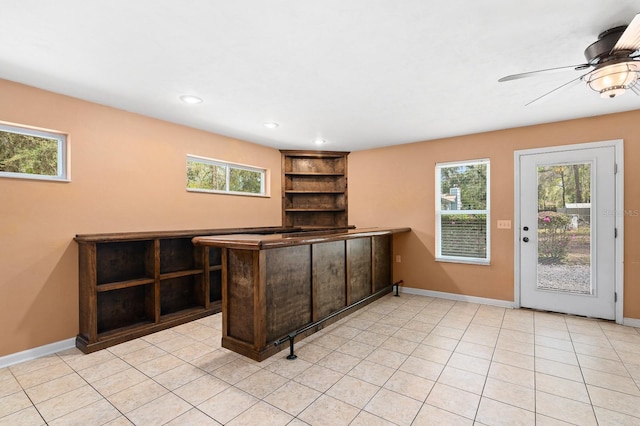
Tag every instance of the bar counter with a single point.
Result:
(273, 285)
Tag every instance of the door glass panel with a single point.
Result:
(564, 228)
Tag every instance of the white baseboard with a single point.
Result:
(63, 345)
(631, 322)
(34, 353)
(458, 297)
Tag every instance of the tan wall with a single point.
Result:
(128, 174)
(395, 186)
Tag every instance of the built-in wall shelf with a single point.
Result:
(314, 190)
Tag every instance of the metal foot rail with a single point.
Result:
(291, 336)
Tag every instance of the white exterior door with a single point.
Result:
(567, 230)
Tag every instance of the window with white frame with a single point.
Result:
(32, 154)
(462, 211)
(210, 175)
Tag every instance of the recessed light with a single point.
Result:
(190, 99)
(270, 124)
(319, 141)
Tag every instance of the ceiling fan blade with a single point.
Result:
(630, 38)
(559, 88)
(548, 70)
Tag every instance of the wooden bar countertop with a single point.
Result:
(260, 241)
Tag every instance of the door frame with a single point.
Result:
(618, 146)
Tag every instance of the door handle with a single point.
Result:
(525, 239)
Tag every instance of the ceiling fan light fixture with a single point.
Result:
(613, 79)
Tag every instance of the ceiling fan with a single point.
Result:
(613, 62)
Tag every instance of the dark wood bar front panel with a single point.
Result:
(274, 285)
(240, 297)
(359, 259)
(382, 261)
(288, 290)
(329, 271)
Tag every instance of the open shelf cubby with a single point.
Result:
(124, 261)
(215, 285)
(178, 254)
(181, 293)
(125, 307)
(215, 256)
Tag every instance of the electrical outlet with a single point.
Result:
(504, 224)
(398, 259)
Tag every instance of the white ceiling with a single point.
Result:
(357, 73)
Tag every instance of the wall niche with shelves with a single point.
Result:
(314, 190)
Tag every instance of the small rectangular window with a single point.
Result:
(32, 154)
(209, 175)
(462, 211)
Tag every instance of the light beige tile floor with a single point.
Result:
(407, 360)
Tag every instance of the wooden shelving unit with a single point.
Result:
(134, 284)
(314, 190)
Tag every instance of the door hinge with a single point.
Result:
(615, 168)
(615, 232)
(615, 296)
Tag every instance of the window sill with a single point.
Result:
(41, 178)
(242, 194)
(465, 261)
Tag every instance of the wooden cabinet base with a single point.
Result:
(260, 354)
(138, 330)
